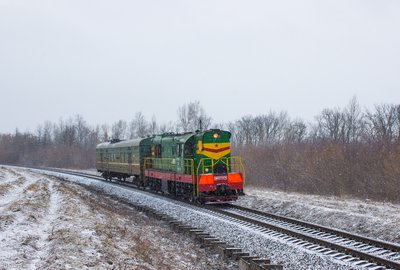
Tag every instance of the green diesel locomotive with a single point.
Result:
(196, 165)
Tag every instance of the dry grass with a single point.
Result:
(5, 188)
(9, 171)
(6, 220)
(20, 181)
(35, 201)
(65, 235)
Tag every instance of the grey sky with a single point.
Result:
(106, 60)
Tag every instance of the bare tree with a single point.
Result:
(274, 125)
(354, 121)
(153, 126)
(190, 115)
(82, 130)
(244, 129)
(259, 130)
(331, 125)
(383, 122)
(398, 121)
(169, 127)
(65, 132)
(104, 132)
(47, 133)
(295, 131)
(258, 127)
(119, 129)
(138, 127)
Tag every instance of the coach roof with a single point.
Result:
(128, 143)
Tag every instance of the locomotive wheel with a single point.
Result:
(193, 199)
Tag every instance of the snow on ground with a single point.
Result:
(75, 226)
(47, 223)
(255, 242)
(379, 220)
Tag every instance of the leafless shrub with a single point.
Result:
(363, 170)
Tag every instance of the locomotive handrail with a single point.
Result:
(171, 164)
(233, 165)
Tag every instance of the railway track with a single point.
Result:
(358, 250)
(350, 248)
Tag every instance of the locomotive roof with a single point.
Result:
(185, 137)
(182, 138)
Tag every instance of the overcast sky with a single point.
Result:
(106, 60)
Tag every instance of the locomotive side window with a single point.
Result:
(180, 150)
(158, 151)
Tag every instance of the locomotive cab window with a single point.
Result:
(189, 149)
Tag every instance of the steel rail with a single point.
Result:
(374, 242)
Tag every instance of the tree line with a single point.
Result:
(347, 151)
(344, 152)
(345, 126)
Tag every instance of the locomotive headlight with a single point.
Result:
(216, 135)
(206, 170)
